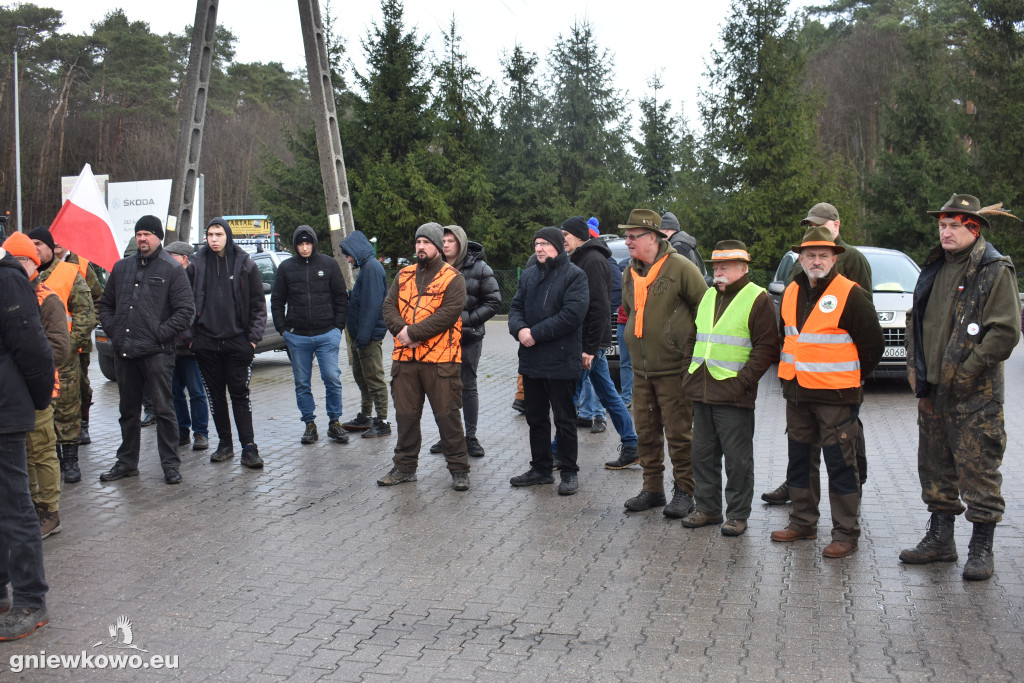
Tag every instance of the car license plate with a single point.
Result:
(895, 352)
(612, 350)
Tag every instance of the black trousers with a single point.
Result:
(226, 365)
(555, 395)
(150, 375)
(21, 548)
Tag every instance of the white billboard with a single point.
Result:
(128, 202)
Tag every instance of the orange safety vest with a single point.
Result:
(42, 291)
(62, 280)
(83, 267)
(413, 307)
(821, 355)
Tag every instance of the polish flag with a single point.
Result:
(83, 224)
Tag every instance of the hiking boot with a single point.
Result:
(734, 527)
(251, 457)
(599, 425)
(779, 496)
(980, 562)
(627, 458)
(358, 423)
(380, 427)
(225, 451)
(172, 475)
(395, 477)
(584, 422)
(937, 545)
(682, 505)
(837, 549)
(119, 471)
(460, 481)
(21, 621)
(336, 433)
(437, 448)
(68, 454)
(49, 522)
(148, 418)
(474, 448)
(201, 442)
(310, 435)
(83, 434)
(531, 477)
(569, 484)
(519, 405)
(183, 438)
(645, 500)
(788, 535)
(699, 518)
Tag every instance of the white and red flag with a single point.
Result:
(83, 224)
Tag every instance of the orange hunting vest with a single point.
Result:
(445, 347)
(821, 355)
(62, 280)
(42, 291)
(83, 267)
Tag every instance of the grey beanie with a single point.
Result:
(669, 222)
(433, 232)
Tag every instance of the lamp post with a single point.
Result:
(22, 32)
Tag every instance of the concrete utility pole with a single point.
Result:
(191, 120)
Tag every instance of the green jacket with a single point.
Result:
(84, 317)
(672, 302)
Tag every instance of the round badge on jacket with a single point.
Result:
(973, 329)
(827, 303)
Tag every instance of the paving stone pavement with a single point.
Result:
(307, 570)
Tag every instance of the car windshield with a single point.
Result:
(892, 272)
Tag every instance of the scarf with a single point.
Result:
(640, 285)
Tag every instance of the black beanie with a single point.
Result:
(43, 235)
(552, 235)
(577, 227)
(150, 224)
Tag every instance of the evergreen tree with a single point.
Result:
(658, 148)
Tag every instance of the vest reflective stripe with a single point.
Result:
(62, 280)
(42, 291)
(414, 307)
(821, 355)
(724, 345)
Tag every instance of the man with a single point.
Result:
(684, 243)
(736, 341)
(591, 256)
(853, 265)
(546, 317)
(41, 442)
(831, 341)
(423, 311)
(963, 326)
(84, 354)
(231, 314)
(27, 373)
(661, 291)
(309, 303)
(366, 331)
(190, 404)
(483, 299)
(146, 303)
(70, 286)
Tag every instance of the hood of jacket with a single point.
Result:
(593, 244)
(306, 230)
(474, 252)
(358, 247)
(460, 235)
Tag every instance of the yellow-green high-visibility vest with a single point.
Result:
(725, 345)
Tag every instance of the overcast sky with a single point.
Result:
(644, 36)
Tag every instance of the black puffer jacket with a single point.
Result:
(592, 258)
(250, 300)
(26, 360)
(146, 303)
(309, 297)
(552, 301)
(483, 296)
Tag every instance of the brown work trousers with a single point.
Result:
(661, 414)
(441, 384)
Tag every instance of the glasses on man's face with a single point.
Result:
(633, 237)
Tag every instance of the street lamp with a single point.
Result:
(22, 32)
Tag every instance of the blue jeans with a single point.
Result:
(625, 367)
(605, 390)
(187, 388)
(325, 347)
(587, 405)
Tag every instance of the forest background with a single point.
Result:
(881, 107)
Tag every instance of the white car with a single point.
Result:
(893, 277)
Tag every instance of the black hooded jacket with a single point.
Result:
(592, 258)
(245, 292)
(309, 296)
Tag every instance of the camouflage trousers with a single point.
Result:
(67, 408)
(958, 458)
(85, 388)
(43, 466)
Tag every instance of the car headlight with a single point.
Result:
(886, 316)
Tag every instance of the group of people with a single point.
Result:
(697, 353)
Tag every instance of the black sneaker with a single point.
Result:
(519, 405)
(531, 478)
(627, 458)
(358, 423)
(310, 435)
(251, 457)
(22, 621)
(225, 451)
(119, 471)
(599, 425)
(569, 484)
(779, 496)
(183, 438)
(584, 422)
(172, 475)
(645, 501)
(380, 428)
(335, 432)
(460, 481)
(437, 448)
(682, 504)
(474, 448)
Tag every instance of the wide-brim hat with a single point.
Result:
(643, 218)
(818, 236)
(729, 250)
(962, 203)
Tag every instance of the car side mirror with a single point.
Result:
(777, 288)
